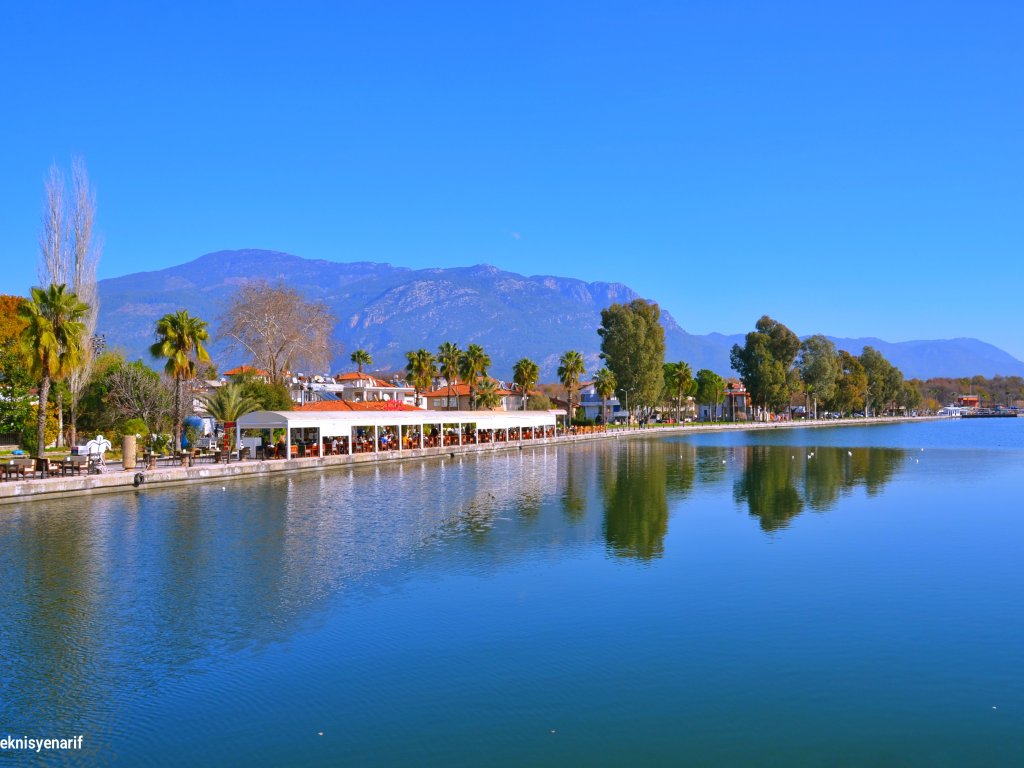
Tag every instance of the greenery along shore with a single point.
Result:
(56, 380)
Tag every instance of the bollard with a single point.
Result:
(128, 451)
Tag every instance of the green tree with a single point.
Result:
(487, 397)
(710, 390)
(271, 396)
(679, 384)
(851, 385)
(421, 368)
(819, 368)
(884, 381)
(229, 403)
(361, 357)
(179, 341)
(16, 400)
(570, 369)
(50, 343)
(473, 364)
(31, 438)
(449, 357)
(764, 363)
(633, 347)
(525, 374)
(539, 402)
(604, 383)
(910, 397)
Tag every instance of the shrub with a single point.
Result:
(49, 432)
(132, 427)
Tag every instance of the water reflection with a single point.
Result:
(107, 599)
(637, 482)
(110, 597)
(777, 482)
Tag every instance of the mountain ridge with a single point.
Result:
(389, 310)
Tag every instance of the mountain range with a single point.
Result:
(389, 310)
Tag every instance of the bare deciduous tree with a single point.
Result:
(53, 248)
(85, 251)
(68, 255)
(278, 329)
(136, 392)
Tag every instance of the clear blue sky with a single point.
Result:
(846, 170)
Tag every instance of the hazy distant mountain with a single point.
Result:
(389, 310)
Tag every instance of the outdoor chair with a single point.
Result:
(22, 465)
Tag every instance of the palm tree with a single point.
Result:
(51, 342)
(361, 357)
(473, 363)
(525, 374)
(679, 382)
(421, 369)
(569, 373)
(179, 340)
(604, 383)
(487, 397)
(448, 357)
(229, 403)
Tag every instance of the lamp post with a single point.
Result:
(627, 407)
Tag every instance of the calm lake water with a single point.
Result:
(848, 596)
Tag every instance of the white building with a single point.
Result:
(317, 433)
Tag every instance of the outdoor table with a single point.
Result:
(72, 465)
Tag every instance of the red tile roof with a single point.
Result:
(461, 389)
(246, 370)
(344, 405)
(373, 381)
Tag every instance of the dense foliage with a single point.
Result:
(50, 343)
(765, 363)
(633, 348)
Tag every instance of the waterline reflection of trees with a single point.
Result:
(777, 482)
(637, 481)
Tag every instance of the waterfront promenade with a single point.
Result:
(116, 479)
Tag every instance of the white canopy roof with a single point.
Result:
(343, 421)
